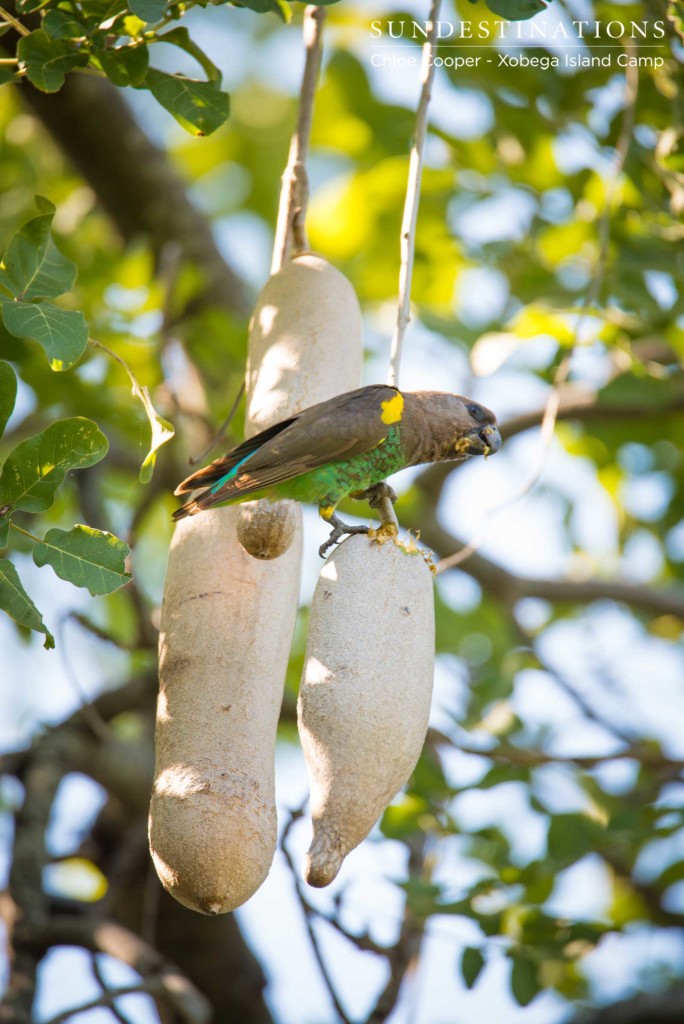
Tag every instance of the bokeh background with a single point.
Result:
(533, 870)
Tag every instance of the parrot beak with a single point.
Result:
(485, 441)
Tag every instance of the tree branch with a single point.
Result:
(294, 193)
(506, 753)
(309, 915)
(586, 407)
(648, 1008)
(508, 587)
(122, 944)
(406, 950)
(407, 240)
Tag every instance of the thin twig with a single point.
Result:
(309, 914)
(150, 987)
(106, 991)
(14, 22)
(407, 242)
(405, 954)
(220, 433)
(294, 193)
(551, 409)
(101, 729)
(508, 754)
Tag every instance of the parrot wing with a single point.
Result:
(340, 428)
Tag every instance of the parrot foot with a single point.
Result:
(339, 531)
(375, 495)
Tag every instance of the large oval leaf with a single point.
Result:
(33, 267)
(85, 557)
(48, 60)
(199, 107)
(35, 468)
(63, 333)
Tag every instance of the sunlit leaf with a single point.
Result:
(162, 431)
(535, 319)
(37, 466)
(76, 878)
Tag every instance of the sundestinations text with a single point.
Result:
(527, 30)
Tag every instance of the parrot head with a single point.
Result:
(483, 438)
(457, 427)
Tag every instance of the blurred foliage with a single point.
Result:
(113, 39)
(522, 187)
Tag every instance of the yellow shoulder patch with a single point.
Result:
(392, 408)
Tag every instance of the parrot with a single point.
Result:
(345, 446)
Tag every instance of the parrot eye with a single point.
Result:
(475, 411)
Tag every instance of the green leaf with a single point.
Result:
(8, 73)
(148, 10)
(8, 393)
(26, 6)
(260, 6)
(44, 204)
(4, 532)
(60, 24)
(570, 837)
(35, 468)
(472, 963)
(26, 253)
(675, 14)
(283, 9)
(15, 601)
(63, 333)
(48, 60)
(124, 65)
(55, 275)
(524, 983)
(85, 557)
(181, 37)
(516, 10)
(162, 431)
(199, 107)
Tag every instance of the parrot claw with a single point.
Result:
(375, 495)
(339, 531)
